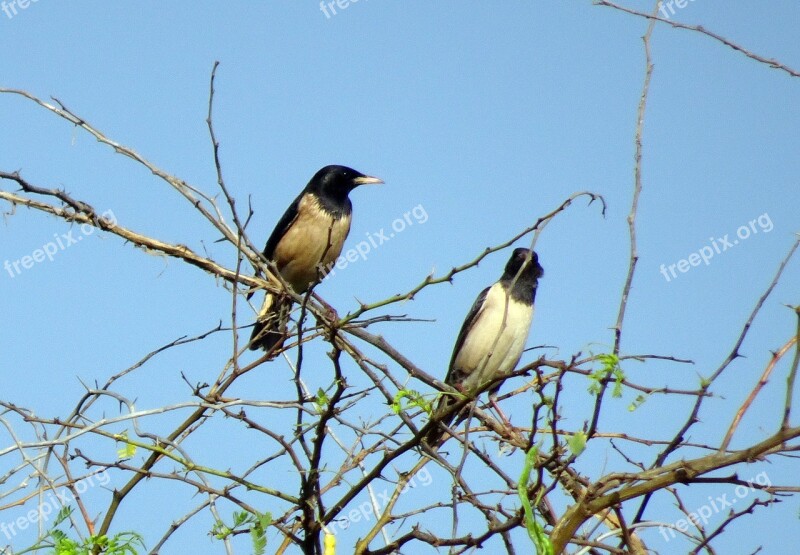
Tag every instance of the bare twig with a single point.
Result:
(703, 31)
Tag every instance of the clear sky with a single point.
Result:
(480, 117)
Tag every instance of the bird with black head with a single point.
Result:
(492, 338)
(305, 244)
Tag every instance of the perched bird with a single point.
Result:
(306, 243)
(493, 335)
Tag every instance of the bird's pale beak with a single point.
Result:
(367, 180)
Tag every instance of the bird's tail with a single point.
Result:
(437, 434)
(270, 329)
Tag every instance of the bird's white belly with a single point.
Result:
(495, 343)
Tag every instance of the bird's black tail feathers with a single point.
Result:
(436, 435)
(270, 329)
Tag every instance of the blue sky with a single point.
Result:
(482, 116)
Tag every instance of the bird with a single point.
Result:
(492, 337)
(305, 244)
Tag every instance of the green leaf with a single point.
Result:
(128, 450)
(638, 402)
(254, 524)
(258, 532)
(322, 399)
(610, 369)
(540, 540)
(241, 518)
(220, 531)
(259, 538)
(577, 443)
(409, 398)
(265, 520)
(63, 514)
(124, 543)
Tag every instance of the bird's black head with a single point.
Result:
(526, 259)
(336, 182)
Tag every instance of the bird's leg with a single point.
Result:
(496, 407)
(331, 313)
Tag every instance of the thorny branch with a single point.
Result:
(341, 453)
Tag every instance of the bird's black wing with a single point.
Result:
(282, 226)
(445, 401)
(472, 316)
(280, 230)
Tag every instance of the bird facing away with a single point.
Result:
(305, 244)
(493, 335)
